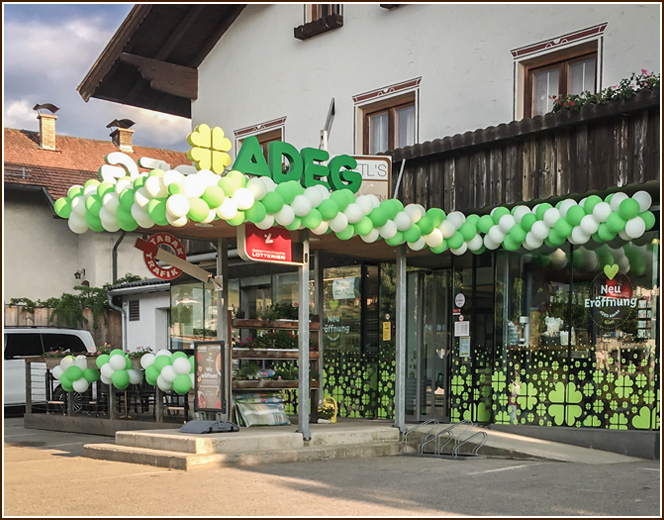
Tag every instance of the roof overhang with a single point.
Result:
(152, 60)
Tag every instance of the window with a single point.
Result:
(319, 18)
(265, 132)
(315, 12)
(387, 118)
(134, 310)
(571, 71)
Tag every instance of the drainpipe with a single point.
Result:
(124, 320)
(114, 274)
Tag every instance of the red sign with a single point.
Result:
(618, 287)
(150, 251)
(270, 245)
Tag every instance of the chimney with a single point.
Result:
(121, 136)
(46, 125)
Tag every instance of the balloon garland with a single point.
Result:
(116, 369)
(628, 258)
(169, 371)
(74, 374)
(171, 198)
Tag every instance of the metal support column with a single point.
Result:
(400, 343)
(303, 332)
(222, 322)
(319, 303)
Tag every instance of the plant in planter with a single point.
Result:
(280, 311)
(248, 371)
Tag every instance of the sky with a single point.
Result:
(47, 51)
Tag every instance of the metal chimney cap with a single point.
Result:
(48, 106)
(121, 123)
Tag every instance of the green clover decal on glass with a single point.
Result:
(499, 381)
(527, 398)
(624, 386)
(565, 411)
(209, 147)
(618, 421)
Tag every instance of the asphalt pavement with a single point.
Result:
(45, 475)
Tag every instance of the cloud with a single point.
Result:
(48, 50)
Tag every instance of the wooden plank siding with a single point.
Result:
(597, 148)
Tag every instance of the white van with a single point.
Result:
(34, 341)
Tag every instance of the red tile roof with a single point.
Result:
(74, 161)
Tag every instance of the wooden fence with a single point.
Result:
(108, 331)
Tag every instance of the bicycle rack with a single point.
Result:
(447, 432)
(458, 443)
(441, 439)
(417, 427)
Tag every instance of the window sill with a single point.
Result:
(320, 26)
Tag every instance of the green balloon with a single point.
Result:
(437, 215)
(313, 219)
(256, 213)
(139, 182)
(392, 207)
(575, 214)
(62, 207)
(441, 248)
(193, 364)
(74, 191)
(126, 198)
(66, 383)
(161, 361)
(104, 188)
(74, 373)
(425, 224)
(604, 232)
(328, 209)
(346, 234)
(175, 188)
(379, 217)
(128, 362)
(468, 230)
(590, 203)
(178, 354)
(518, 234)
(527, 221)
(120, 379)
(237, 219)
(480, 250)
(364, 226)
(117, 352)
(497, 214)
(295, 225)
(151, 374)
(412, 234)
(181, 384)
(213, 196)
(563, 227)
(157, 211)
(340, 198)
(157, 172)
(649, 218)
(273, 202)
(615, 222)
(472, 218)
(286, 191)
(227, 185)
(396, 240)
(455, 241)
(198, 209)
(94, 222)
(485, 223)
(510, 244)
(102, 360)
(555, 238)
(541, 209)
(126, 221)
(629, 209)
(91, 182)
(91, 375)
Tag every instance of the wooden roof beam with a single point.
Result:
(165, 77)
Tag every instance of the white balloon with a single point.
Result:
(551, 216)
(57, 371)
(624, 236)
(353, 213)
(110, 202)
(90, 189)
(475, 243)
(269, 183)
(635, 227)
(257, 187)
(565, 206)
(141, 197)
(460, 250)
(374, 200)
(110, 222)
(490, 244)
(135, 376)
(105, 380)
(123, 182)
(589, 225)
(644, 199)
(286, 216)
(434, 239)
(496, 234)
(66, 362)
(579, 235)
(212, 214)
(77, 224)
(141, 217)
(540, 230)
(227, 210)
(80, 385)
(169, 373)
(506, 223)
(172, 176)
(325, 192)
(531, 242)
(339, 223)
(164, 352)
(321, 229)
(176, 221)
(81, 362)
(118, 362)
(181, 366)
(601, 211)
(447, 228)
(147, 359)
(107, 370)
(314, 195)
(457, 218)
(194, 186)
(78, 206)
(364, 202)
(178, 205)
(388, 230)
(415, 212)
(164, 385)
(266, 223)
(418, 245)
(243, 198)
(403, 221)
(301, 206)
(617, 199)
(371, 237)
(155, 187)
(520, 212)
(192, 377)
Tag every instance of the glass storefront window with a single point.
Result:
(342, 308)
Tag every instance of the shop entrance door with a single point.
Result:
(428, 345)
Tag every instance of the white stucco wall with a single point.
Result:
(259, 72)
(152, 328)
